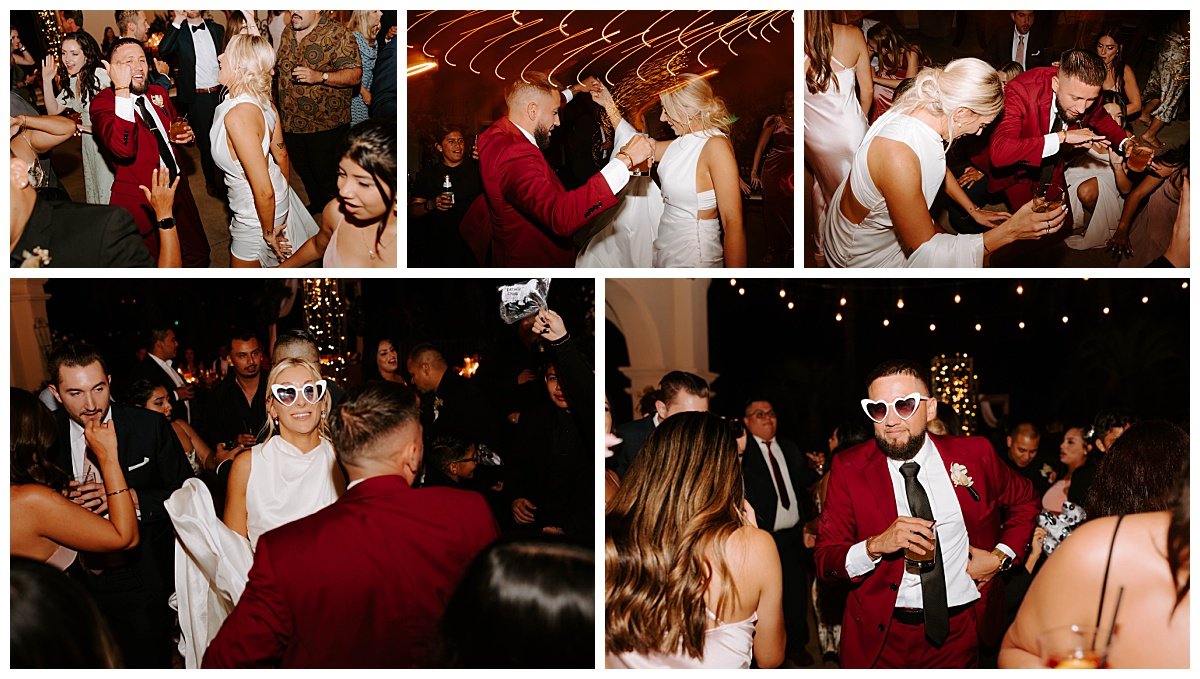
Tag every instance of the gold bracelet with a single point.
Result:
(117, 492)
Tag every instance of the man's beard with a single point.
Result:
(541, 136)
(137, 89)
(903, 452)
(1067, 118)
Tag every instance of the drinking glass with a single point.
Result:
(1048, 197)
(1074, 647)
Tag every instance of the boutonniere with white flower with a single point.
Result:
(437, 403)
(157, 100)
(37, 259)
(1048, 472)
(958, 475)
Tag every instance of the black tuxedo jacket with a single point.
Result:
(760, 486)
(1037, 51)
(177, 42)
(147, 369)
(79, 235)
(633, 436)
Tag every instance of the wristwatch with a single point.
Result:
(325, 77)
(166, 224)
(1005, 560)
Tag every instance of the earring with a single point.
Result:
(275, 422)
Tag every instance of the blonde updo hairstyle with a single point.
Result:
(252, 60)
(693, 103)
(964, 83)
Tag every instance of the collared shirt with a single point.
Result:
(124, 108)
(79, 448)
(1017, 36)
(304, 108)
(616, 175)
(950, 528)
(1052, 144)
(176, 379)
(205, 46)
(784, 518)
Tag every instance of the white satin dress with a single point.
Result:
(1093, 229)
(627, 238)
(834, 127)
(685, 240)
(727, 646)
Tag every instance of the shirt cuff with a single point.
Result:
(177, 25)
(124, 108)
(568, 95)
(616, 174)
(1007, 550)
(858, 562)
(1051, 146)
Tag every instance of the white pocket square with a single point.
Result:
(145, 461)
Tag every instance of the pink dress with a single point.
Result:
(1150, 233)
(727, 646)
(1056, 495)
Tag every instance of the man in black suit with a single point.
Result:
(678, 392)
(131, 588)
(62, 234)
(1021, 44)
(161, 347)
(196, 43)
(450, 404)
(777, 478)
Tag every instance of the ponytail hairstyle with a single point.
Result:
(964, 83)
(818, 47)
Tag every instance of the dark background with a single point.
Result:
(812, 367)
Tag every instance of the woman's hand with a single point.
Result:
(49, 68)
(969, 176)
(278, 242)
(101, 437)
(366, 95)
(748, 518)
(549, 325)
(161, 194)
(755, 181)
(14, 125)
(251, 24)
(1029, 225)
(1118, 243)
(988, 218)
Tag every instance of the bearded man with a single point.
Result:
(910, 491)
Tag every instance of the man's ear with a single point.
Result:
(1054, 84)
(54, 390)
(531, 110)
(661, 408)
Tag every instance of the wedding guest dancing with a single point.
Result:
(530, 215)
(778, 180)
(196, 43)
(690, 581)
(835, 118)
(79, 68)
(269, 219)
(952, 496)
(880, 213)
(133, 121)
(898, 61)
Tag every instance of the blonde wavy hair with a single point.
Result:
(964, 83)
(273, 378)
(665, 535)
(360, 22)
(252, 61)
(693, 99)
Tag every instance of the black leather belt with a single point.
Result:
(916, 616)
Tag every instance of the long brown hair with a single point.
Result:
(894, 49)
(666, 530)
(818, 47)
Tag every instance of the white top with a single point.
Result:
(784, 518)
(286, 484)
(727, 646)
(677, 172)
(950, 527)
(873, 242)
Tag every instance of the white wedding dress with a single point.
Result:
(212, 562)
(245, 229)
(627, 238)
(685, 240)
(1093, 229)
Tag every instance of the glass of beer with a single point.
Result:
(1074, 647)
(1047, 198)
(921, 562)
(1138, 157)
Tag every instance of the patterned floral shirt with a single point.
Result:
(305, 109)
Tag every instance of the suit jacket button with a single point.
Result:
(879, 627)
(894, 587)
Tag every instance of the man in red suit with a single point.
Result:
(895, 493)
(1048, 112)
(363, 582)
(530, 214)
(132, 120)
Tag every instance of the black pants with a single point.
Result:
(200, 114)
(314, 157)
(790, 543)
(133, 602)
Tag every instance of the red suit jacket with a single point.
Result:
(531, 214)
(1017, 141)
(135, 156)
(361, 583)
(861, 503)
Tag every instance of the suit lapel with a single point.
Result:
(950, 455)
(879, 481)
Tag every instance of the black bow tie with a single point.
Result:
(199, 27)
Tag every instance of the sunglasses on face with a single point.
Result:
(289, 394)
(904, 407)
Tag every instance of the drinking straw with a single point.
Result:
(1112, 628)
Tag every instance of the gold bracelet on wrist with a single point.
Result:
(117, 492)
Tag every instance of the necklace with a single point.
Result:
(372, 251)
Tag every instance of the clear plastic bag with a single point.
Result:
(522, 300)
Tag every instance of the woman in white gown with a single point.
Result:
(269, 220)
(290, 476)
(879, 215)
(835, 115)
(1096, 186)
(701, 223)
(690, 580)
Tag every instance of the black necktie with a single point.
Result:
(1049, 164)
(164, 151)
(198, 27)
(784, 498)
(933, 581)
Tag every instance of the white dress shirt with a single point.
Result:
(950, 528)
(124, 108)
(207, 67)
(1017, 36)
(784, 518)
(176, 379)
(1052, 144)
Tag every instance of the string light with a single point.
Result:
(1105, 310)
(900, 303)
(325, 315)
(732, 282)
(956, 384)
(1020, 289)
(741, 291)
(838, 317)
(957, 298)
(886, 322)
(1145, 300)
(1185, 285)
(791, 305)
(842, 301)
(782, 294)
(1021, 325)
(932, 327)
(1065, 319)
(978, 327)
